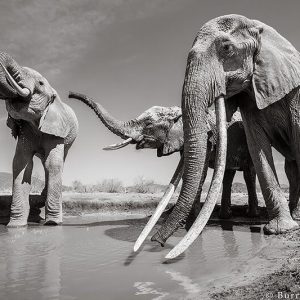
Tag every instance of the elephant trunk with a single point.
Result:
(13, 82)
(125, 130)
(200, 89)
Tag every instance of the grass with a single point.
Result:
(74, 203)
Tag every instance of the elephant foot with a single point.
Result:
(52, 222)
(35, 219)
(225, 213)
(14, 223)
(280, 225)
(296, 214)
(253, 212)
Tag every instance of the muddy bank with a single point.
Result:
(281, 283)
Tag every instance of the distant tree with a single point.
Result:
(111, 185)
(143, 185)
(78, 186)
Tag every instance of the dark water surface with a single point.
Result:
(92, 258)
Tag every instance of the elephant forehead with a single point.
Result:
(35, 74)
(228, 24)
(157, 113)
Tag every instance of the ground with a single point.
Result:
(284, 283)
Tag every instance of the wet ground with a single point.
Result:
(91, 258)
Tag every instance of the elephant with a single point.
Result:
(160, 128)
(44, 127)
(236, 62)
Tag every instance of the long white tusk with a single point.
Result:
(215, 186)
(23, 92)
(119, 145)
(161, 206)
(154, 218)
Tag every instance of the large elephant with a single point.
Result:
(45, 127)
(161, 128)
(232, 55)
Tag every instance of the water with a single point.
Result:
(92, 258)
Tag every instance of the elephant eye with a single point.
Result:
(41, 82)
(228, 47)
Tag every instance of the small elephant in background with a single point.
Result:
(44, 126)
(161, 128)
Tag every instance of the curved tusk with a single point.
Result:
(154, 218)
(161, 206)
(119, 145)
(215, 186)
(23, 92)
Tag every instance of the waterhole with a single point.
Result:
(92, 258)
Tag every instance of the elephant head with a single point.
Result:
(157, 128)
(230, 55)
(30, 97)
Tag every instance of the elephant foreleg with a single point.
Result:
(53, 169)
(225, 211)
(22, 171)
(292, 173)
(261, 154)
(250, 180)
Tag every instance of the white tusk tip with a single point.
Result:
(136, 248)
(172, 254)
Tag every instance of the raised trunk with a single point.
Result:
(125, 130)
(199, 91)
(7, 91)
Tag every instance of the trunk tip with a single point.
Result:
(157, 238)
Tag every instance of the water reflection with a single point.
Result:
(32, 264)
(145, 288)
(187, 283)
(230, 245)
(95, 261)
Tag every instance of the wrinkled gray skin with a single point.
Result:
(161, 128)
(233, 55)
(45, 127)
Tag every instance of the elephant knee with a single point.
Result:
(55, 168)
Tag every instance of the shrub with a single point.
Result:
(78, 186)
(111, 185)
(143, 185)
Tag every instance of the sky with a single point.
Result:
(128, 55)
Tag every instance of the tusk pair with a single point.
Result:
(215, 187)
(161, 206)
(119, 145)
(23, 92)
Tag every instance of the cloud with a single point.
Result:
(50, 35)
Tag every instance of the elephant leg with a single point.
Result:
(22, 171)
(292, 173)
(261, 154)
(54, 161)
(34, 215)
(225, 211)
(250, 179)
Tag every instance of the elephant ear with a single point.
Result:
(55, 119)
(174, 140)
(276, 69)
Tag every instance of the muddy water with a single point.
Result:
(92, 258)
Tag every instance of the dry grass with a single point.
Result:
(74, 203)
